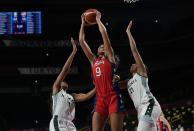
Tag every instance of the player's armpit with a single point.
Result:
(142, 70)
(55, 89)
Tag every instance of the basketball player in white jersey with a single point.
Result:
(63, 106)
(147, 106)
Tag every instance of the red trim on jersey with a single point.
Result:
(161, 126)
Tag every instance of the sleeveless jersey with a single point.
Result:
(63, 105)
(102, 73)
(139, 91)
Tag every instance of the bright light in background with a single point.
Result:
(36, 121)
(36, 81)
(130, 1)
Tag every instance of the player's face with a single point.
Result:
(101, 50)
(133, 68)
(64, 85)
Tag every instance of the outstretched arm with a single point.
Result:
(64, 70)
(83, 44)
(84, 97)
(139, 62)
(107, 45)
(123, 84)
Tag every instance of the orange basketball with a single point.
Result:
(90, 16)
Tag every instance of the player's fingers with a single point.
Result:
(73, 44)
(98, 14)
(129, 26)
(83, 17)
(130, 23)
(71, 38)
(72, 41)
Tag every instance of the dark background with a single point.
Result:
(163, 30)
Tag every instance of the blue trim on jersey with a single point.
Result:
(92, 76)
(115, 87)
(164, 126)
(120, 106)
(112, 71)
(113, 66)
(95, 100)
(118, 102)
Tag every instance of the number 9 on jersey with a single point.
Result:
(98, 71)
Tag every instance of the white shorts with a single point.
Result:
(57, 124)
(148, 115)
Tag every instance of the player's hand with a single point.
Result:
(129, 27)
(73, 44)
(116, 78)
(83, 20)
(98, 16)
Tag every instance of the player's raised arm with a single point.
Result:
(83, 44)
(139, 62)
(107, 45)
(84, 97)
(65, 69)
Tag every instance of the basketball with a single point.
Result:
(90, 16)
